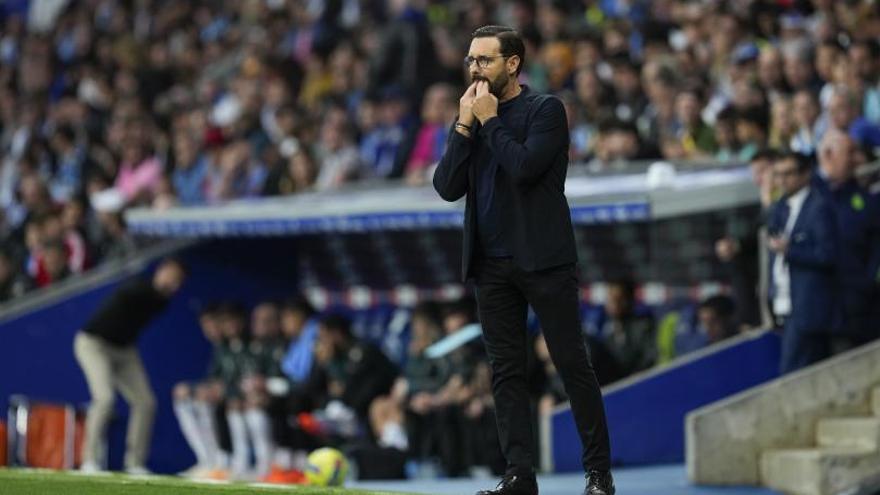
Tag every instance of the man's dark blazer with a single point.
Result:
(529, 185)
(812, 260)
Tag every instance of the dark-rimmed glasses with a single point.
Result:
(482, 61)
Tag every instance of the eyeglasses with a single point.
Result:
(482, 61)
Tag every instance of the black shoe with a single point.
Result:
(514, 484)
(599, 483)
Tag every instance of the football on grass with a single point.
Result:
(326, 467)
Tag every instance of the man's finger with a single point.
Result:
(472, 89)
(482, 88)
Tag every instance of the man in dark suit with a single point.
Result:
(803, 255)
(509, 155)
(858, 218)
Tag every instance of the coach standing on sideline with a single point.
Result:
(106, 351)
(509, 155)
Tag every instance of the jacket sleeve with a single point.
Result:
(451, 175)
(547, 138)
(819, 250)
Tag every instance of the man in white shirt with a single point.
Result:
(803, 255)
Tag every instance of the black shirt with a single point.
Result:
(492, 241)
(123, 316)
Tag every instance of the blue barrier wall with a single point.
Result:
(646, 418)
(36, 349)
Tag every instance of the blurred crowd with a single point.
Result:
(109, 104)
(285, 379)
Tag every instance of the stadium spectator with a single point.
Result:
(629, 99)
(591, 94)
(626, 332)
(140, 171)
(438, 112)
(53, 264)
(190, 170)
(725, 135)
(844, 114)
(35, 200)
(761, 168)
(110, 237)
(798, 66)
(297, 174)
(782, 125)
(752, 128)
(770, 73)
(716, 316)
(384, 149)
(809, 126)
(803, 246)
(858, 219)
(238, 174)
(863, 62)
(619, 142)
(67, 180)
(580, 131)
(715, 321)
(696, 138)
(337, 154)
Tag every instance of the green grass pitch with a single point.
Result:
(46, 482)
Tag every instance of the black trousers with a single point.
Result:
(504, 293)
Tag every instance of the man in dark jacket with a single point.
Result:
(803, 256)
(107, 353)
(858, 217)
(509, 155)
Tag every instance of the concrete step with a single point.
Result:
(875, 401)
(861, 432)
(818, 471)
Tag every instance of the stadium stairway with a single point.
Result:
(814, 432)
(847, 451)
